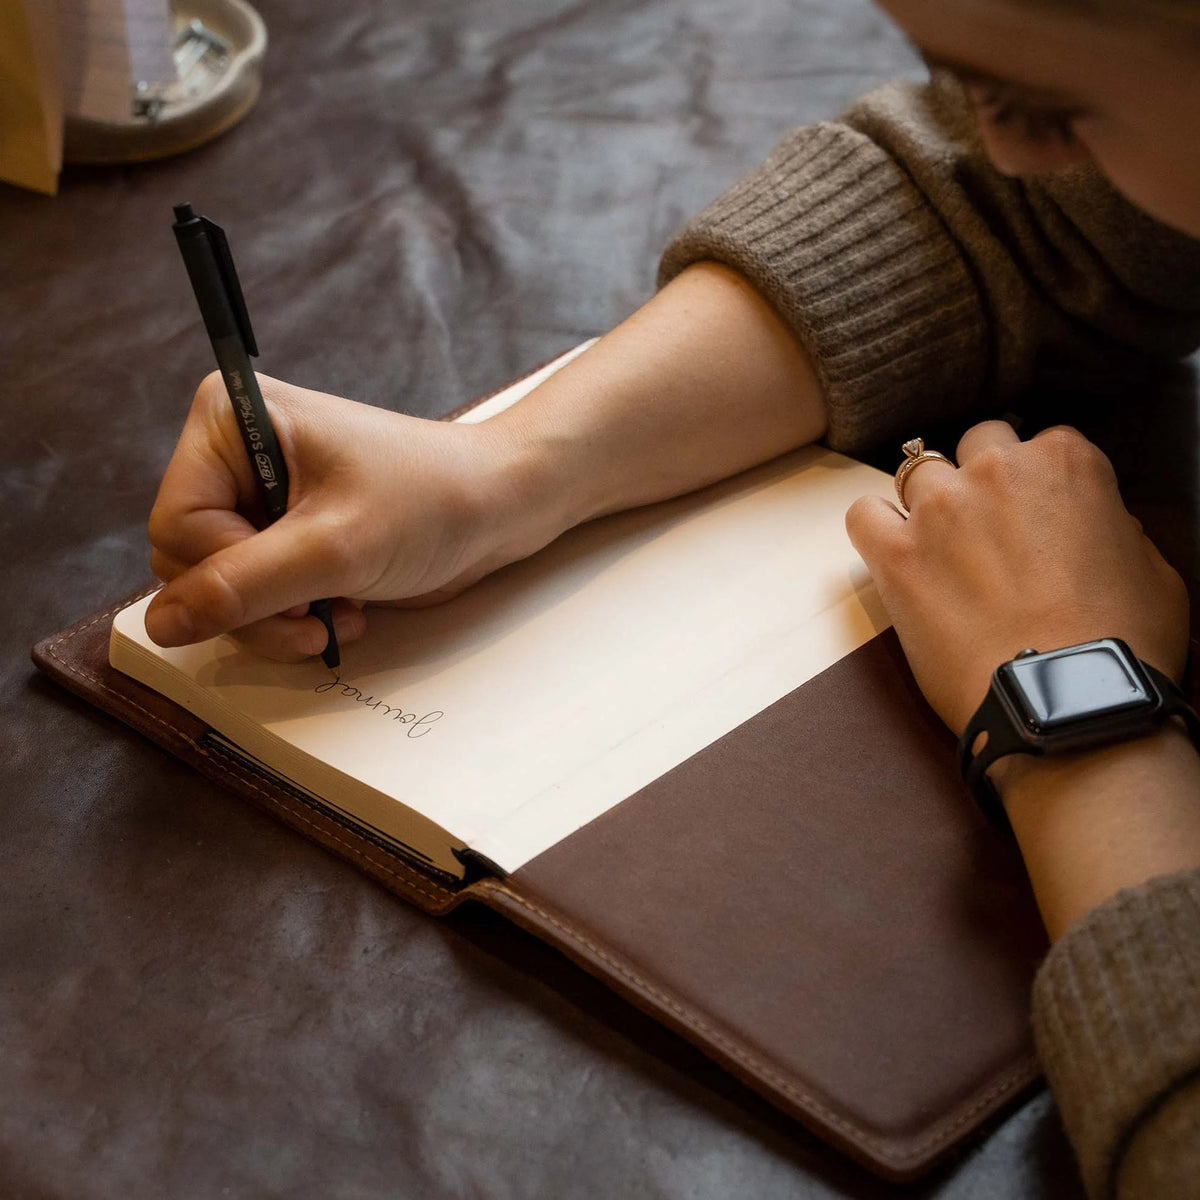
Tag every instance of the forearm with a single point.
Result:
(702, 382)
(1091, 824)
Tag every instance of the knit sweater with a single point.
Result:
(926, 288)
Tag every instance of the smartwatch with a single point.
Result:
(1076, 698)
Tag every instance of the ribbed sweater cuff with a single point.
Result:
(833, 233)
(1116, 1010)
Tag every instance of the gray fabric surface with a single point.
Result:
(428, 200)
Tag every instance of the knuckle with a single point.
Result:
(160, 528)
(215, 598)
(157, 525)
(1065, 432)
(164, 566)
(993, 466)
(1060, 441)
(983, 433)
(328, 540)
(165, 537)
(1070, 450)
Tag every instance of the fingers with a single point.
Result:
(1073, 455)
(222, 573)
(292, 638)
(209, 467)
(934, 476)
(986, 435)
(178, 543)
(1059, 449)
(166, 567)
(876, 529)
(289, 563)
(924, 478)
(195, 512)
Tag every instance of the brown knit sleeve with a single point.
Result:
(926, 285)
(1116, 1010)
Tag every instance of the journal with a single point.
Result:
(681, 745)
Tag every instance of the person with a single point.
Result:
(1038, 199)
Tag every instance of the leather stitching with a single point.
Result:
(688, 1015)
(763, 1069)
(413, 881)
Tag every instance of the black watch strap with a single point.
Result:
(991, 718)
(1176, 702)
(994, 719)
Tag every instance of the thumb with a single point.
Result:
(285, 565)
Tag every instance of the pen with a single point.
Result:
(223, 309)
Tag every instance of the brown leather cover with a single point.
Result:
(810, 900)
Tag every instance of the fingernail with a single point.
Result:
(170, 625)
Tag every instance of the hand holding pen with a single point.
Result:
(382, 508)
(385, 508)
(223, 310)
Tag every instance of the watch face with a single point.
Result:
(1058, 689)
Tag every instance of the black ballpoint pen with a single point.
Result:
(223, 310)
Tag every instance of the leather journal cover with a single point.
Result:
(811, 900)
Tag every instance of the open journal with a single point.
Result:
(477, 734)
(680, 745)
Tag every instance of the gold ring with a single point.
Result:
(914, 454)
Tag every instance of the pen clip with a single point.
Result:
(233, 289)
